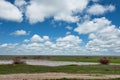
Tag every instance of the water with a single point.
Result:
(49, 63)
(6, 61)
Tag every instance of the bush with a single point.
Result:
(104, 60)
(18, 60)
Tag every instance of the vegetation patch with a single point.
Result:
(84, 69)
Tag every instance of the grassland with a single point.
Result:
(91, 69)
(84, 59)
(75, 69)
(113, 59)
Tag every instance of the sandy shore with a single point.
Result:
(41, 76)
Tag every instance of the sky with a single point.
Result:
(60, 27)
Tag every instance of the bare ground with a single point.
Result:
(41, 76)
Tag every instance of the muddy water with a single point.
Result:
(48, 63)
(6, 61)
(56, 63)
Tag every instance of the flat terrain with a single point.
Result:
(59, 67)
(49, 63)
(113, 59)
(41, 76)
(82, 69)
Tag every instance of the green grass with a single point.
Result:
(91, 69)
(84, 59)
(113, 59)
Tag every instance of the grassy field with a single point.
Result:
(113, 59)
(92, 69)
(84, 59)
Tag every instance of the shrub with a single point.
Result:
(18, 60)
(104, 60)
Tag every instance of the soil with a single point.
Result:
(41, 76)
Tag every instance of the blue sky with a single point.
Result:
(71, 27)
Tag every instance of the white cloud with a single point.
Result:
(7, 49)
(48, 43)
(68, 45)
(9, 12)
(36, 38)
(39, 10)
(26, 41)
(104, 36)
(62, 46)
(19, 33)
(92, 26)
(21, 4)
(8, 45)
(68, 41)
(98, 9)
(92, 36)
(69, 27)
(105, 39)
(70, 38)
(46, 38)
(68, 33)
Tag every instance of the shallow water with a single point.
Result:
(56, 63)
(48, 63)
(6, 61)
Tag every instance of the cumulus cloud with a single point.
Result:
(36, 38)
(104, 36)
(92, 36)
(105, 39)
(70, 38)
(62, 46)
(26, 40)
(39, 10)
(98, 9)
(103, 43)
(8, 45)
(19, 33)
(69, 27)
(46, 38)
(68, 41)
(68, 33)
(9, 12)
(21, 4)
(8, 48)
(92, 26)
